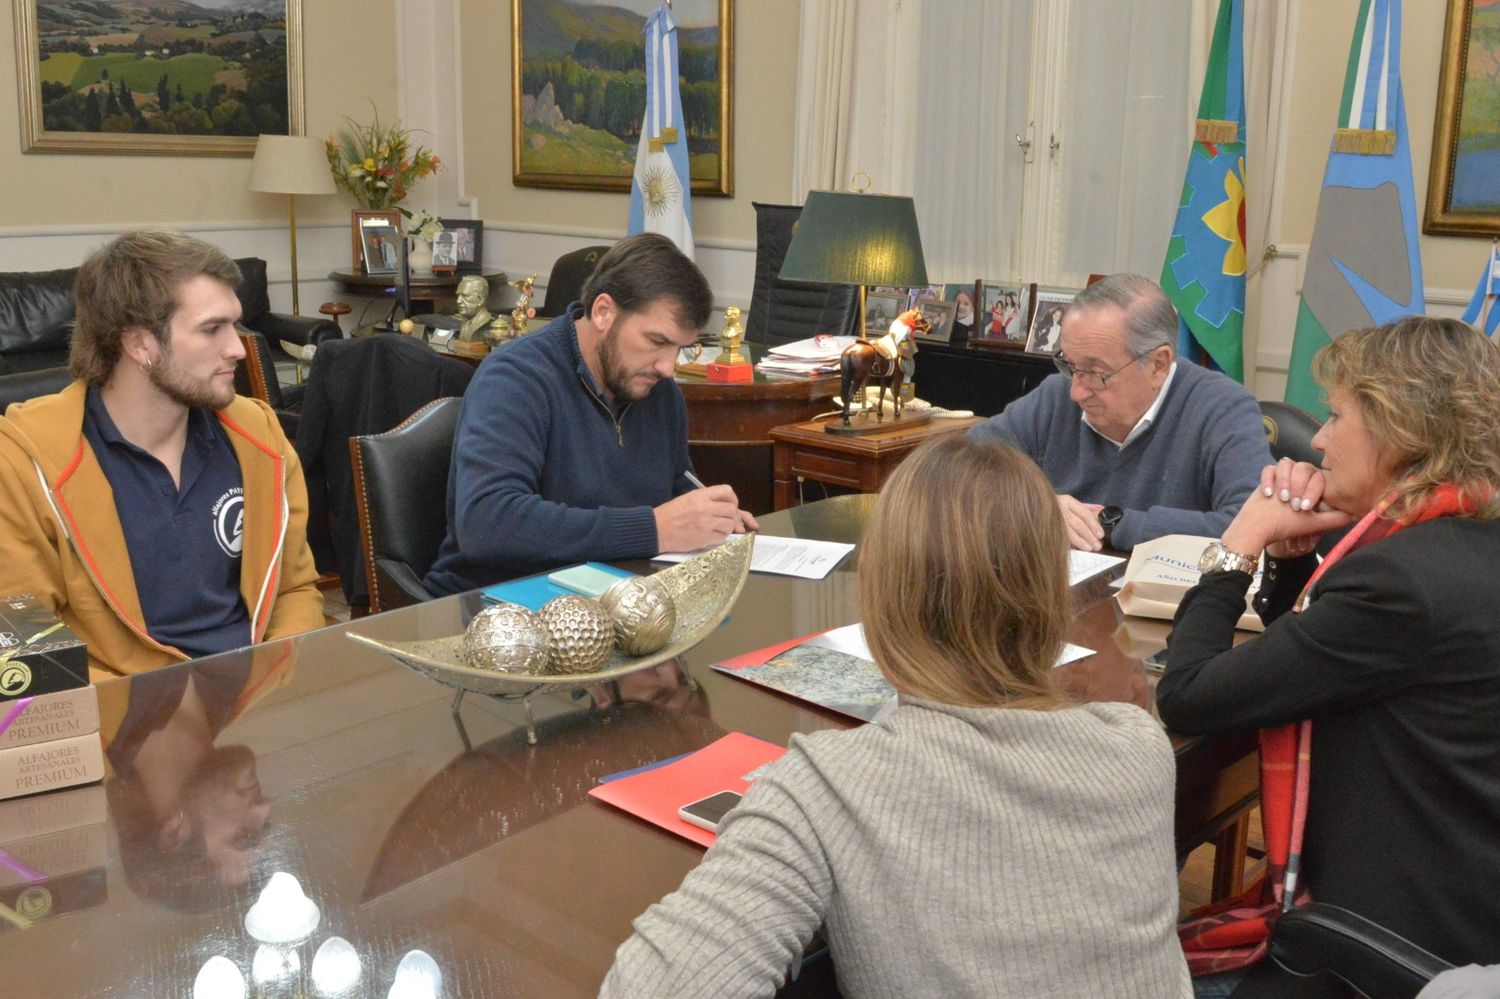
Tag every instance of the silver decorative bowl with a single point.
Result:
(703, 588)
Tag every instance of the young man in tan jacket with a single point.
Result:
(159, 515)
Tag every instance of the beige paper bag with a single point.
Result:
(1160, 573)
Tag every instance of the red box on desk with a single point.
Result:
(732, 373)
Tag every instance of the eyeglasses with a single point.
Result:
(1096, 381)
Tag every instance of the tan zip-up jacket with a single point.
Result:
(60, 534)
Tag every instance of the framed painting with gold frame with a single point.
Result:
(145, 81)
(578, 92)
(1463, 186)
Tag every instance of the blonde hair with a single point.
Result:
(1429, 392)
(963, 577)
(131, 283)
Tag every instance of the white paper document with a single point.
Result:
(798, 557)
(1087, 565)
(850, 640)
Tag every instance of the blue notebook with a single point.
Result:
(533, 592)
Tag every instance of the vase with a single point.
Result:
(420, 257)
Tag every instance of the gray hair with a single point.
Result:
(1150, 320)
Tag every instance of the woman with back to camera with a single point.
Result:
(988, 837)
(1394, 654)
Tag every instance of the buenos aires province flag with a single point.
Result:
(1204, 273)
(659, 190)
(1363, 263)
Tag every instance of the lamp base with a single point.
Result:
(866, 423)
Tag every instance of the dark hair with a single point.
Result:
(131, 283)
(643, 269)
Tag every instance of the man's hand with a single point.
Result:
(697, 519)
(1082, 521)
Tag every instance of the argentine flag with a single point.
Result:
(1484, 308)
(659, 192)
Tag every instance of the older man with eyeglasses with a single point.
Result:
(1137, 442)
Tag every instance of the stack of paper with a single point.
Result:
(812, 356)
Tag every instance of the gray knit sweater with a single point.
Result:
(947, 851)
(1188, 474)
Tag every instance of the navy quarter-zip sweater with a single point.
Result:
(546, 473)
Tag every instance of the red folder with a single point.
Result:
(655, 795)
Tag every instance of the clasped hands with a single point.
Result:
(1286, 515)
(700, 518)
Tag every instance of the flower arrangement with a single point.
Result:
(378, 164)
(424, 226)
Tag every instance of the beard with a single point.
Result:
(185, 391)
(617, 381)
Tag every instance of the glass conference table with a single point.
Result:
(411, 828)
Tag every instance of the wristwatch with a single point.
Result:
(1217, 558)
(1108, 518)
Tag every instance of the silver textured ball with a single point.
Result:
(643, 614)
(580, 636)
(507, 638)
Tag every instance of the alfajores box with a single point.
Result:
(27, 720)
(38, 654)
(49, 765)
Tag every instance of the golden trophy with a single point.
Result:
(731, 365)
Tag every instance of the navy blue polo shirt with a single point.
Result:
(185, 542)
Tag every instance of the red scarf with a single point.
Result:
(1236, 933)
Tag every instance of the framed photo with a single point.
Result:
(940, 315)
(1046, 322)
(578, 92)
(117, 76)
(881, 309)
(1463, 190)
(965, 312)
(381, 250)
(470, 245)
(1003, 311)
(361, 219)
(445, 252)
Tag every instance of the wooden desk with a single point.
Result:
(428, 291)
(409, 830)
(864, 462)
(729, 426)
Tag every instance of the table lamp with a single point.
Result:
(291, 165)
(845, 237)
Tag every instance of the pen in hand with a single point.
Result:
(698, 483)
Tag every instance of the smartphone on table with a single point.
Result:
(707, 813)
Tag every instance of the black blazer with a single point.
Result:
(1397, 662)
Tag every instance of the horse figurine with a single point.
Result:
(885, 360)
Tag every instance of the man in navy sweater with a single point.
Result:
(1136, 442)
(572, 441)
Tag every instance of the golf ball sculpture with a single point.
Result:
(580, 635)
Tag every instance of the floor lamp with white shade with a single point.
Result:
(291, 165)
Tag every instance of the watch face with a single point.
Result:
(1211, 557)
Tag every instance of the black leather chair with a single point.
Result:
(784, 311)
(256, 376)
(1379, 964)
(1290, 431)
(256, 314)
(566, 280)
(400, 487)
(22, 385)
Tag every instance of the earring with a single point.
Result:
(146, 366)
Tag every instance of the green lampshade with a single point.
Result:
(863, 239)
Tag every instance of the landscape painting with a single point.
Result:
(196, 77)
(1463, 196)
(579, 91)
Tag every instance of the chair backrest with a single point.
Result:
(256, 374)
(566, 280)
(23, 385)
(784, 311)
(400, 488)
(1290, 431)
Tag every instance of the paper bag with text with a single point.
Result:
(1160, 573)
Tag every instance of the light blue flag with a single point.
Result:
(1484, 308)
(1204, 273)
(660, 199)
(1363, 267)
